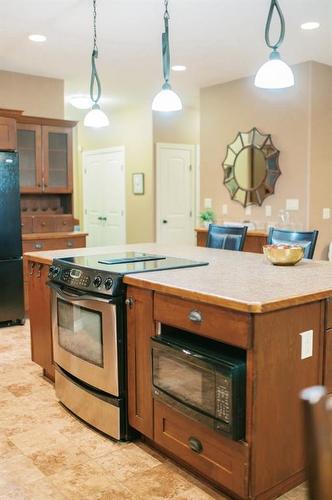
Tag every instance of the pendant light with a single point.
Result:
(166, 99)
(274, 74)
(96, 117)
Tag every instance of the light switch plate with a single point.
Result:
(207, 203)
(292, 204)
(307, 344)
(268, 210)
(247, 211)
(225, 209)
(326, 213)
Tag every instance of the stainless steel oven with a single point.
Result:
(89, 333)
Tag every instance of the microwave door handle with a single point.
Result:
(74, 297)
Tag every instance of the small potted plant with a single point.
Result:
(207, 217)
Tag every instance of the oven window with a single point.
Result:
(80, 332)
(185, 380)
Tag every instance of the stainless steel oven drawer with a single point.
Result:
(87, 405)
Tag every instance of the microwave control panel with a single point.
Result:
(224, 399)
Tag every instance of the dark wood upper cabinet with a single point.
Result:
(57, 159)
(7, 134)
(46, 158)
(29, 147)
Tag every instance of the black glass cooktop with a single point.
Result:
(130, 262)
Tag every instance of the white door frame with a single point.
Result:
(85, 154)
(195, 188)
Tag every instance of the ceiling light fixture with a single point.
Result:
(274, 74)
(37, 38)
(166, 99)
(179, 67)
(96, 118)
(80, 101)
(312, 25)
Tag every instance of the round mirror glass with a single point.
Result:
(250, 168)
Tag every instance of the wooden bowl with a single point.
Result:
(283, 255)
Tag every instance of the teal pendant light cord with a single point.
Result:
(95, 118)
(275, 46)
(94, 75)
(165, 49)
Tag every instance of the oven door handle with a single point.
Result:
(73, 296)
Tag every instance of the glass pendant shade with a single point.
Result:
(166, 100)
(96, 118)
(274, 74)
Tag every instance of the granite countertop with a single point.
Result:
(240, 281)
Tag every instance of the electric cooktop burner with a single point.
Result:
(103, 274)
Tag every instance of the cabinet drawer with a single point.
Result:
(27, 224)
(43, 224)
(328, 313)
(53, 244)
(328, 361)
(220, 459)
(210, 321)
(65, 224)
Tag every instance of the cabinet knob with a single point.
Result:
(69, 243)
(32, 267)
(195, 445)
(129, 302)
(195, 316)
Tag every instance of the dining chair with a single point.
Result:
(226, 237)
(307, 239)
(317, 411)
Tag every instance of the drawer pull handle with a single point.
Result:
(195, 445)
(69, 243)
(129, 302)
(195, 316)
(32, 267)
(38, 246)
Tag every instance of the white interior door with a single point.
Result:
(175, 193)
(104, 196)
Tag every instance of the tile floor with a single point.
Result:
(46, 453)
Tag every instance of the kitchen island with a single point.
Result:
(245, 302)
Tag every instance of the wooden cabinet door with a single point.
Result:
(140, 328)
(30, 158)
(40, 317)
(57, 159)
(7, 134)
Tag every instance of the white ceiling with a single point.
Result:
(218, 40)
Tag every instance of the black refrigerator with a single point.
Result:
(11, 261)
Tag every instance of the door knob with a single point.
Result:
(165, 221)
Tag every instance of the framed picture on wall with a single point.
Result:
(138, 183)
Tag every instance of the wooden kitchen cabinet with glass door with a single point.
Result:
(45, 158)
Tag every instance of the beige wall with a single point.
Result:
(131, 128)
(35, 95)
(320, 180)
(181, 127)
(300, 122)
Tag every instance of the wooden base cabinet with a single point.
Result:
(40, 317)
(271, 458)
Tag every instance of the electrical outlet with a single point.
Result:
(326, 213)
(292, 204)
(268, 210)
(207, 203)
(307, 344)
(225, 209)
(247, 211)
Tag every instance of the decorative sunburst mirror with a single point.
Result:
(251, 167)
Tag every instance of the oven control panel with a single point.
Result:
(85, 279)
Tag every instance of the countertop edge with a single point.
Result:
(54, 235)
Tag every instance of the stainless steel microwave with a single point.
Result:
(201, 378)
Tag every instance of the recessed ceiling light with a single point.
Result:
(312, 25)
(37, 38)
(80, 101)
(179, 67)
